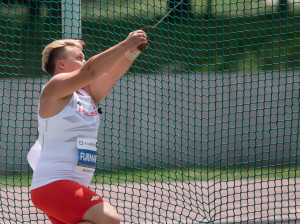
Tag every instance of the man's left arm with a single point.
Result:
(100, 87)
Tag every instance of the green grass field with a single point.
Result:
(188, 175)
(243, 36)
(126, 176)
(117, 9)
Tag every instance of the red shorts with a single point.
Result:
(64, 201)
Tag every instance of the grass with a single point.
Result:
(130, 175)
(117, 9)
(188, 175)
(239, 38)
(243, 36)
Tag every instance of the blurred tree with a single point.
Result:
(208, 15)
(35, 7)
(283, 6)
(182, 10)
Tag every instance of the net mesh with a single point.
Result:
(204, 128)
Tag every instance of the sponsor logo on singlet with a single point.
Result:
(82, 110)
(87, 155)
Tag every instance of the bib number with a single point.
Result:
(87, 155)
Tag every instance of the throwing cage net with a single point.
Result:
(204, 127)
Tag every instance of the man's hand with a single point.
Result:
(136, 39)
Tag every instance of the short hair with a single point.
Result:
(55, 51)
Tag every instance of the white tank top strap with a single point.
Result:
(84, 93)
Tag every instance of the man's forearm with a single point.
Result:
(121, 67)
(105, 83)
(104, 61)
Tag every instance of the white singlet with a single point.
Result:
(66, 146)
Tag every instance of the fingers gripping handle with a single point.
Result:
(133, 54)
(143, 46)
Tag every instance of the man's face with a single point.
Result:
(74, 59)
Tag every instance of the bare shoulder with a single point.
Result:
(50, 105)
(63, 85)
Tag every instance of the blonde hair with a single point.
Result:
(55, 51)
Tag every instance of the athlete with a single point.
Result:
(64, 156)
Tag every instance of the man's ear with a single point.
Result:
(60, 64)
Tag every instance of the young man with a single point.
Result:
(64, 156)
